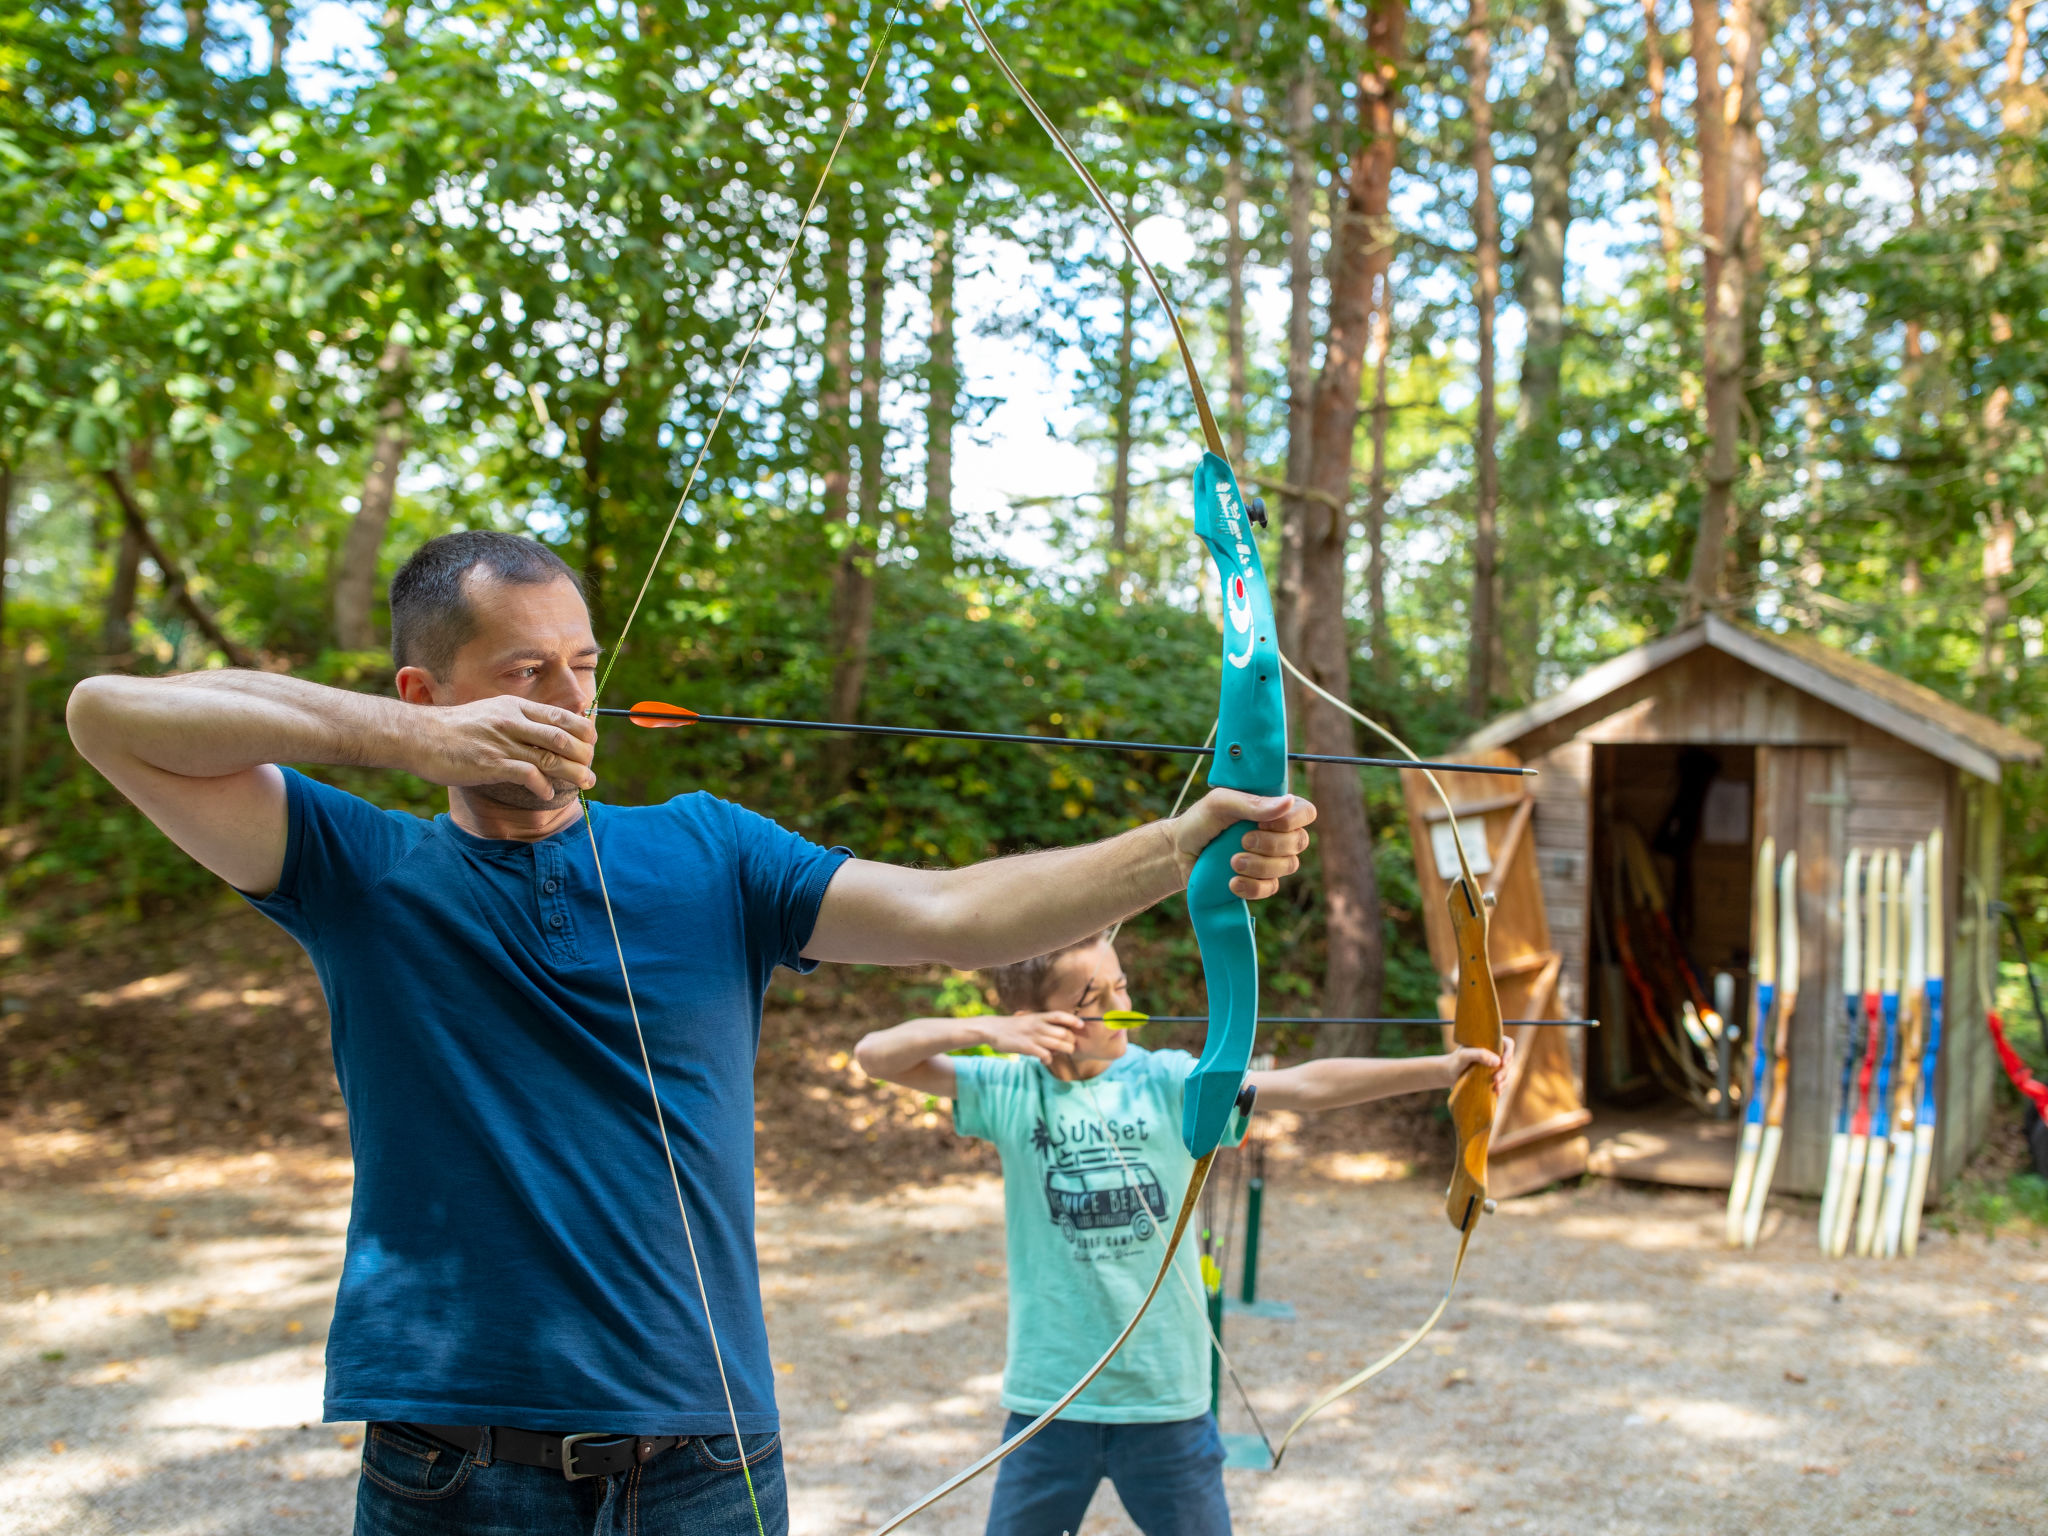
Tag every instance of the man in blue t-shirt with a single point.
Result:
(545, 1018)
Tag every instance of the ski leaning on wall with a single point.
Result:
(1852, 1045)
(1764, 946)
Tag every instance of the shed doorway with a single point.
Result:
(1671, 876)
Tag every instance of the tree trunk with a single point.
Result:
(1233, 274)
(355, 576)
(1731, 182)
(1482, 646)
(1301, 278)
(597, 555)
(1362, 249)
(846, 638)
(176, 587)
(2000, 529)
(16, 666)
(942, 386)
(854, 588)
(1670, 240)
(1535, 465)
(117, 627)
(6, 536)
(195, 30)
(1126, 386)
(1916, 181)
(1380, 634)
(127, 44)
(278, 83)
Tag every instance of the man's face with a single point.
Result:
(532, 640)
(1087, 983)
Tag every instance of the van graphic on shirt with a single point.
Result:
(1104, 1201)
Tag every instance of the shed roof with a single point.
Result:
(1893, 704)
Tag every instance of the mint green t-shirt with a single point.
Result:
(1086, 1232)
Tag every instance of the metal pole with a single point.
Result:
(1254, 1201)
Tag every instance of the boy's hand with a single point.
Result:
(1272, 849)
(1040, 1035)
(1467, 1056)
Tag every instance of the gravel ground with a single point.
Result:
(1607, 1367)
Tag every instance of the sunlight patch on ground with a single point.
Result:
(1708, 1419)
(1362, 1167)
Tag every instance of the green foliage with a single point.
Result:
(534, 239)
(2022, 1199)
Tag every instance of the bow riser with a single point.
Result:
(1251, 755)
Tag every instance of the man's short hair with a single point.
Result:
(431, 618)
(1020, 988)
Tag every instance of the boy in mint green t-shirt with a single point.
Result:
(1088, 1125)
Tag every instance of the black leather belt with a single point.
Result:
(574, 1456)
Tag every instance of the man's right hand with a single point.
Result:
(504, 740)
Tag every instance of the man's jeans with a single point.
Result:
(414, 1486)
(1170, 1477)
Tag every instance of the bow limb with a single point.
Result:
(1476, 1022)
(966, 1475)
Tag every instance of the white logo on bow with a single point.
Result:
(1239, 606)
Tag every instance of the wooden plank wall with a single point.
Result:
(1969, 1065)
(1802, 802)
(1563, 851)
(1895, 794)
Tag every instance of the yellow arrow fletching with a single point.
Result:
(1125, 1018)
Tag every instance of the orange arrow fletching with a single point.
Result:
(669, 715)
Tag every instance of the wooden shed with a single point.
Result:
(1680, 757)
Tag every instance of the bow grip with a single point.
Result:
(1230, 969)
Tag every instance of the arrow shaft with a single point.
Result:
(1076, 742)
(1203, 1018)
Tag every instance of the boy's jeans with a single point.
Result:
(1169, 1476)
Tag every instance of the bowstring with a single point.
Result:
(877, 53)
(967, 1475)
(1215, 1338)
(1214, 440)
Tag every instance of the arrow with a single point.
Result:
(1126, 1018)
(653, 715)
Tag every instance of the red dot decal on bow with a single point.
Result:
(1240, 587)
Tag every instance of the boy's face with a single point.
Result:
(1087, 983)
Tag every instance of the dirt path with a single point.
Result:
(1608, 1368)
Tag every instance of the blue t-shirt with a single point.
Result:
(514, 1251)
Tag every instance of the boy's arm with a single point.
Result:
(1336, 1081)
(914, 1053)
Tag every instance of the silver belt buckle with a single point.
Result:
(569, 1444)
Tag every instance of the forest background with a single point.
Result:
(1541, 325)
